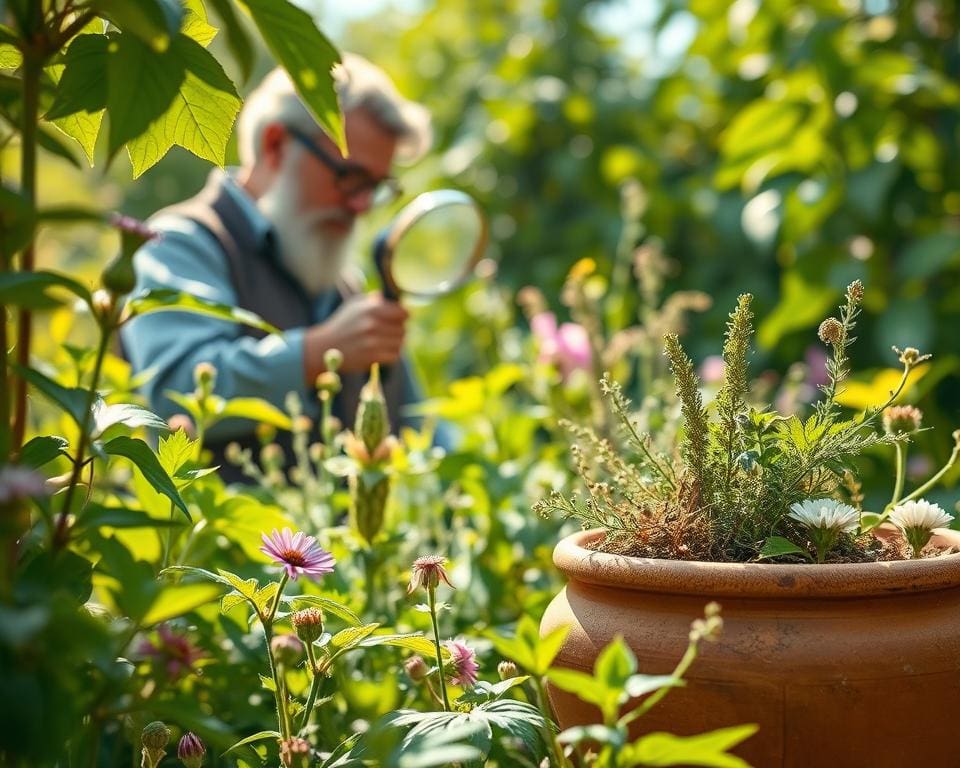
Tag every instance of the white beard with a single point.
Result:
(312, 255)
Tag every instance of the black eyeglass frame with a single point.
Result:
(383, 190)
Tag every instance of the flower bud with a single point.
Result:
(855, 292)
(316, 452)
(416, 668)
(901, 419)
(287, 650)
(910, 356)
(266, 433)
(205, 377)
(507, 669)
(233, 453)
(333, 359)
(104, 305)
(191, 750)
(118, 276)
(308, 624)
(328, 383)
(271, 456)
(154, 738)
(294, 753)
(181, 421)
(830, 331)
(372, 424)
(302, 424)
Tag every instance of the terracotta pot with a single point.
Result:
(840, 665)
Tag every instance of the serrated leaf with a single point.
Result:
(81, 94)
(267, 682)
(326, 604)
(175, 450)
(42, 450)
(246, 587)
(146, 461)
(264, 596)
(231, 601)
(165, 300)
(775, 546)
(238, 40)
(199, 117)
(413, 642)
(351, 636)
(308, 56)
(195, 24)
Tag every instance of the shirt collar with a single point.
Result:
(258, 222)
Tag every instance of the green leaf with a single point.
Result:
(17, 220)
(155, 22)
(484, 691)
(264, 596)
(578, 683)
(140, 454)
(259, 736)
(180, 599)
(238, 40)
(615, 664)
(42, 450)
(308, 56)
(31, 289)
(81, 94)
(869, 521)
(706, 749)
(200, 115)
(95, 516)
(775, 546)
(195, 25)
(165, 299)
(413, 642)
(231, 601)
(53, 143)
(547, 649)
(246, 587)
(351, 636)
(175, 450)
(640, 685)
(128, 414)
(189, 570)
(10, 56)
(72, 400)
(326, 604)
(256, 409)
(141, 86)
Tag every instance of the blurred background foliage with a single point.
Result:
(783, 148)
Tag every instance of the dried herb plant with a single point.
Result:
(728, 482)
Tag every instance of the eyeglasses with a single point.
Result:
(351, 179)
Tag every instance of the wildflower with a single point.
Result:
(295, 753)
(328, 383)
(271, 456)
(266, 433)
(855, 292)
(302, 424)
(910, 357)
(286, 649)
(428, 572)
(181, 421)
(308, 624)
(463, 659)
(899, 419)
(825, 519)
(566, 345)
(917, 519)
(830, 331)
(174, 651)
(507, 669)
(416, 668)
(333, 359)
(710, 626)
(190, 750)
(298, 553)
(154, 737)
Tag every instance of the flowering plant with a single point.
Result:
(740, 474)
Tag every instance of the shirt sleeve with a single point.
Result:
(170, 344)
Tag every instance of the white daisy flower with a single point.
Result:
(826, 514)
(917, 519)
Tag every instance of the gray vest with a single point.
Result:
(265, 287)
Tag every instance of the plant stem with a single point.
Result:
(61, 535)
(678, 672)
(548, 734)
(32, 69)
(432, 602)
(901, 472)
(267, 622)
(168, 539)
(314, 688)
(937, 477)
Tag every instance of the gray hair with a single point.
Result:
(359, 84)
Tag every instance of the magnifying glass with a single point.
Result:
(431, 246)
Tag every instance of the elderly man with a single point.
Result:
(273, 237)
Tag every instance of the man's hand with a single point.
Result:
(366, 328)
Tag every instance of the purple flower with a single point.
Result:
(131, 226)
(428, 572)
(190, 750)
(464, 662)
(298, 553)
(174, 651)
(567, 345)
(712, 369)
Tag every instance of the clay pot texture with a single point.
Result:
(840, 665)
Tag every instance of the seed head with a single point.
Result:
(830, 331)
(308, 624)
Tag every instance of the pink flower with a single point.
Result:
(816, 360)
(298, 553)
(190, 750)
(428, 572)
(464, 661)
(173, 650)
(712, 369)
(567, 346)
(131, 226)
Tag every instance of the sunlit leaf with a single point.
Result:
(146, 461)
(165, 300)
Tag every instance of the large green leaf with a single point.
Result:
(141, 85)
(128, 414)
(308, 56)
(140, 454)
(94, 516)
(17, 220)
(31, 289)
(238, 39)
(200, 116)
(195, 24)
(155, 22)
(776, 546)
(81, 95)
(42, 450)
(168, 300)
(705, 749)
(176, 600)
(256, 409)
(326, 604)
(351, 636)
(73, 400)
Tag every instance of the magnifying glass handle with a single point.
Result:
(380, 261)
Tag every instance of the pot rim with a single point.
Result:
(789, 581)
